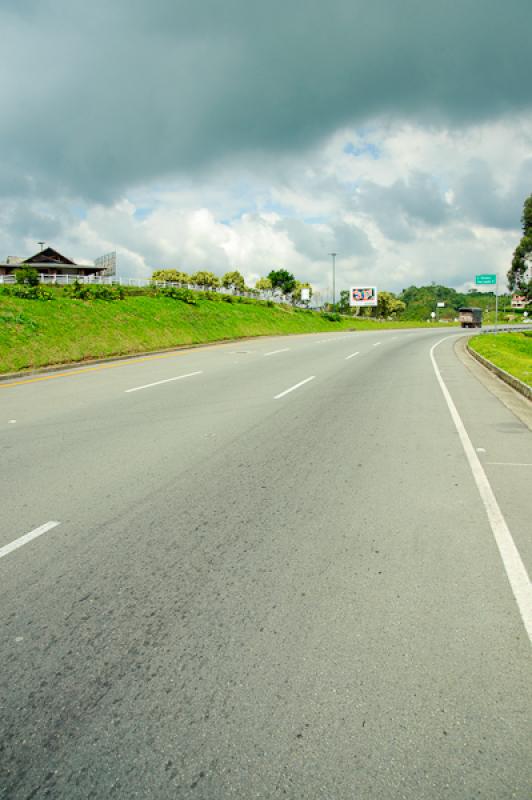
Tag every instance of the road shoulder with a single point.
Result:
(515, 402)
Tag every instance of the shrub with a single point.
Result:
(31, 292)
(82, 291)
(332, 316)
(27, 276)
(212, 296)
(108, 292)
(185, 295)
(77, 290)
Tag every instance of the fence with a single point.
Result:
(114, 280)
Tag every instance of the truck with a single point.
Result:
(470, 317)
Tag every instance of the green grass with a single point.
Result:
(37, 334)
(509, 351)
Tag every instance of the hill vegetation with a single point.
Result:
(42, 326)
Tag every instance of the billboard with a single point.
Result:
(363, 296)
(106, 263)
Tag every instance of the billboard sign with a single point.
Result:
(106, 263)
(305, 294)
(363, 296)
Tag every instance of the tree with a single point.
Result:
(264, 284)
(526, 216)
(520, 273)
(203, 278)
(170, 276)
(388, 304)
(27, 275)
(296, 291)
(283, 280)
(234, 279)
(343, 304)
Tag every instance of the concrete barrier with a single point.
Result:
(511, 380)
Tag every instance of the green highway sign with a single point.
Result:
(485, 279)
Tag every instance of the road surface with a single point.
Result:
(266, 569)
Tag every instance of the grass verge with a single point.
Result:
(511, 352)
(38, 334)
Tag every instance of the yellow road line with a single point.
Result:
(72, 373)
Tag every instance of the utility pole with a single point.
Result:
(42, 245)
(496, 301)
(333, 255)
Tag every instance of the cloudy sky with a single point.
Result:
(201, 134)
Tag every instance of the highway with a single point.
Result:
(290, 567)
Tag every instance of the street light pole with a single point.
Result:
(334, 277)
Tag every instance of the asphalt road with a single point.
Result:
(261, 593)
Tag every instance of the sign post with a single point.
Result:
(489, 279)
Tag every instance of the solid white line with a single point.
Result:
(376, 344)
(507, 464)
(4, 551)
(158, 383)
(351, 356)
(515, 569)
(274, 352)
(291, 389)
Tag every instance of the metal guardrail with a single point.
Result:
(509, 328)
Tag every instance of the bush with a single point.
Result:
(212, 296)
(27, 276)
(185, 295)
(82, 291)
(108, 292)
(31, 292)
(332, 316)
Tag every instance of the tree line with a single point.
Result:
(280, 280)
(415, 302)
(520, 272)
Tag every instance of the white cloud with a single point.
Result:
(400, 203)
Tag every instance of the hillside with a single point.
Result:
(34, 333)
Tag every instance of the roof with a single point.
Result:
(48, 256)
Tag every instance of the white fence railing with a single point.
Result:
(114, 280)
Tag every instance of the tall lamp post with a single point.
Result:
(333, 256)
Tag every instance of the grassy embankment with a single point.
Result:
(511, 352)
(35, 334)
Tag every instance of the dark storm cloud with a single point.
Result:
(97, 98)
(313, 241)
(399, 209)
(482, 200)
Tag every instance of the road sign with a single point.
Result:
(440, 305)
(483, 280)
(363, 296)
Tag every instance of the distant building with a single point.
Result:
(519, 301)
(51, 263)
